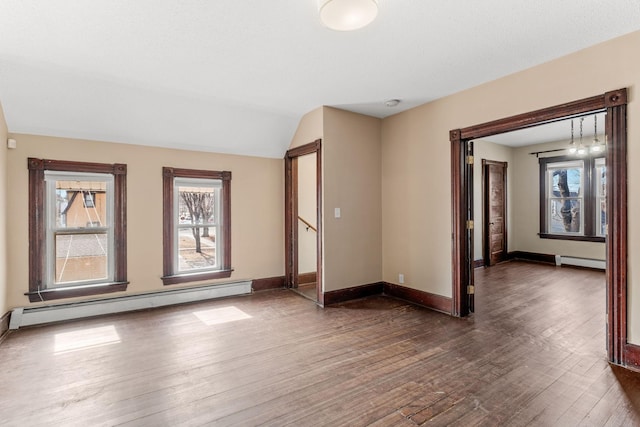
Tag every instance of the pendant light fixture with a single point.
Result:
(581, 148)
(572, 143)
(347, 15)
(596, 147)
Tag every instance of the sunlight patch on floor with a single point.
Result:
(216, 316)
(85, 338)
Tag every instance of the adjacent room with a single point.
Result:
(321, 212)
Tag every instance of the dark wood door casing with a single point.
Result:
(495, 211)
(614, 103)
(291, 215)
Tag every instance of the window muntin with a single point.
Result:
(185, 223)
(63, 230)
(79, 238)
(572, 198)
(565, 197)
(197, 224)
(600, 179)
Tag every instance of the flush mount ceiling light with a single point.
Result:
(347, 15)
(392, 103)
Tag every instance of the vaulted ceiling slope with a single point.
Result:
(235, 76)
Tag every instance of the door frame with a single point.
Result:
(291, 214)
(615, 104)
(486, 207)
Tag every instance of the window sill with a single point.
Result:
(194, 277)
(596, 239)
(76, 291)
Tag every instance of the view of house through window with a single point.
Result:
(77, 229)
(79, 234)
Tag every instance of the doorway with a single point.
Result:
(614, 103)
(494, 222)
(303, 221)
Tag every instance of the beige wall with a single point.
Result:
(416, 158)
(307, 242)
(351, 182)
(4, 307)
(523, 187)
(257, 207)
(525, 209)
(309, 129)
(486, 150)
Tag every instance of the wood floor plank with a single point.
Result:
(532, 354)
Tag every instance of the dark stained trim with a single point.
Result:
(459, 242)
(37, 221)
(4, 325)
(614, 102)
(551, 114)
(291, 214)
(268, 283)
(170, 277)
(307, 278)
(533, 257)
(425, 299)
(478, 263)
(486, 208)
(356, 292)
(616, 160)
(76, 291)
(632, 356)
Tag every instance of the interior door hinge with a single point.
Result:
(469, 160)
(470, 224)
(471, 290)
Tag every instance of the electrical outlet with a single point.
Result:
(401, 278)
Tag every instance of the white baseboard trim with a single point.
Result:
(27, 316)
(581, 262)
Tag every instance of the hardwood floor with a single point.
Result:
(307, 290)
(533, 354)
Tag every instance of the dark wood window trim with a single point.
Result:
(170, 276)
(37, 227)
(589, 199)
(615, 104)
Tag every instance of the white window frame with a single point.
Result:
(216, 185)
(551, 167)
(51, 229)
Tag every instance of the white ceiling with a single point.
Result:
(236, 76)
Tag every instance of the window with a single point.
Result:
(573, 198)
(197, 225)
(89, 199)
(76, 248)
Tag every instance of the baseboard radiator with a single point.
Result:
(581, 262)
(27, 316)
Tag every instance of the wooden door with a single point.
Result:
(495, 211)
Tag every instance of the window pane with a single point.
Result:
(81, 204)
(196, 248)
(196, 205)
(566, 182)
(601, 217)
(565, 216)
(81, 257)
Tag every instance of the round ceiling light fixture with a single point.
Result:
(347, 15)
(392, 103)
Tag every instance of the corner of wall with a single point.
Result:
(4, 133)
(310, 128)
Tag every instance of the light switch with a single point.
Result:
(336, 212)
